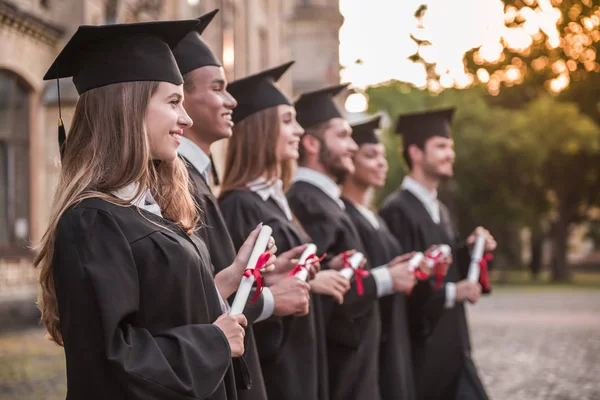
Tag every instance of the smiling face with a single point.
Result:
(290, 133)
(438, 157)
(371, 165)
(338, 148)
(165, 121)
(209, 104)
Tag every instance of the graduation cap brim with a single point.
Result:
(365, 132)
(416, 128)
(318, 106)
(192, 52)
(110, 53)
(258, 92)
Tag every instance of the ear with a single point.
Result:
(415, 154)
(311, 144)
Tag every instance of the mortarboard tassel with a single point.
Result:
(62, 135)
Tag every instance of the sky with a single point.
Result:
(378, 33)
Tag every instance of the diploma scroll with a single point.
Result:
(476, 256)
(438, 254)
(415, 261)
(241, 297)
(354, 261)
(305, 262)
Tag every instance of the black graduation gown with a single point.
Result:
(214, 232)
(353, 329)
(441, 347)
(396, 379)
(137, 303)
(288, 347)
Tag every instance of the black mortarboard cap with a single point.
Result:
(102, 55)
(365, 132)
(97, 56)
(318, 106)
(258, 92)
(192, 52)
(417, 128)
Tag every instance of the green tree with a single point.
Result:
(560, 58)
(514, 168)
(556, 56)
(569, 169)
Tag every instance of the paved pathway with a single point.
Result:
(529, 345)
(538, 344)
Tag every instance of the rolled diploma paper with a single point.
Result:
(476, 256)
(415, 261)
(354, 261)
(444, 249)
(303, 273)
(241, 297)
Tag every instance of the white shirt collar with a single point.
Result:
(271, 190)
(144, 200)
(369, 215)
(322, 181)
(426, 196)
(195, 156)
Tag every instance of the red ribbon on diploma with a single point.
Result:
(439, 273)
(299, 267)
(484, 279)
(345, 260)
(438, 270)
(262, 261)
(359, 274)
(420, 275)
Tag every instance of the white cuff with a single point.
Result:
(383, 280)
(268, 304)
(450, 295)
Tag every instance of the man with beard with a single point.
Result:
(353, 328)
(210, 105)
(440, 341)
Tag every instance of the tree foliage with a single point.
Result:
(533, 167)
(561, 55)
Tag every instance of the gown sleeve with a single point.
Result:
(97, 285)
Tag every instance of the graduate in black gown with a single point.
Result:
(353, 329)
(441, 348)
(126, 287)
(258, 163)
(395, 373)
(210, 105)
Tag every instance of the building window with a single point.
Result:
(14, 165)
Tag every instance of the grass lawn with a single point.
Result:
(522, 280)
(31, 367)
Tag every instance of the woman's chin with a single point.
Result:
(291, 155)
(166, 156)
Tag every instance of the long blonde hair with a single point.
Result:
(107, 149)
(252, 151)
